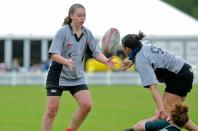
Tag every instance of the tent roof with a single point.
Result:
(44, 17)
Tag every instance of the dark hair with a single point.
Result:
(72, 9)
(132, 40)
(179, 114)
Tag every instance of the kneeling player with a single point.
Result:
(179, 117)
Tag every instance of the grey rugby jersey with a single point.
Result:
(151, 58)
(68, 45)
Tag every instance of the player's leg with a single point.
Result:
(84, 99)
(169, 100)
(50, 112)
(177, 88)
(52, 105)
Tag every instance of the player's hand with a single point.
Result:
(126, 64)
(110, 63)
(162, 114)
(70, 63)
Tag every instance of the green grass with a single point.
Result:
(115, 108)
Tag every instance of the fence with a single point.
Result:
(102, 78)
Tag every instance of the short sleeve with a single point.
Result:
(95, 51)
(58, 41)
(146, 72)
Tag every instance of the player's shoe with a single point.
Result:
(68, 129)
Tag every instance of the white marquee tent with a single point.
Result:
(44, 17)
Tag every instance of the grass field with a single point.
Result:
(115, 108)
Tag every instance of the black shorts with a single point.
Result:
(53, 90)
(180, 84)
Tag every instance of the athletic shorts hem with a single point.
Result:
(54, 90)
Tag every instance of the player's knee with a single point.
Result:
(86, 106)
(51, 112)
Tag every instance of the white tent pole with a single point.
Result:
(26, 52)
(44, 50)
(8, 52)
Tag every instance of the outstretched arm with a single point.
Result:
(126, 64)
(107, 61)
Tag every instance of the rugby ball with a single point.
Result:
(110, 40)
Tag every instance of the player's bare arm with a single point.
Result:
(58, 58)
(159, 102)
(107, 61)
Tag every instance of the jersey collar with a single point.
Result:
(134, 53)
(73, 33)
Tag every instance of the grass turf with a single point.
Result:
(115, 108)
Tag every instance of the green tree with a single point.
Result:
(188, 6)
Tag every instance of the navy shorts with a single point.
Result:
(53, 90)
(180, 84)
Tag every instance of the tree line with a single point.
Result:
(188, 6)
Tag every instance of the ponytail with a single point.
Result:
(132, 40)
(67, 20)
(141, 35)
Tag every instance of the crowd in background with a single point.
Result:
(91, 65)
(35, 67)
